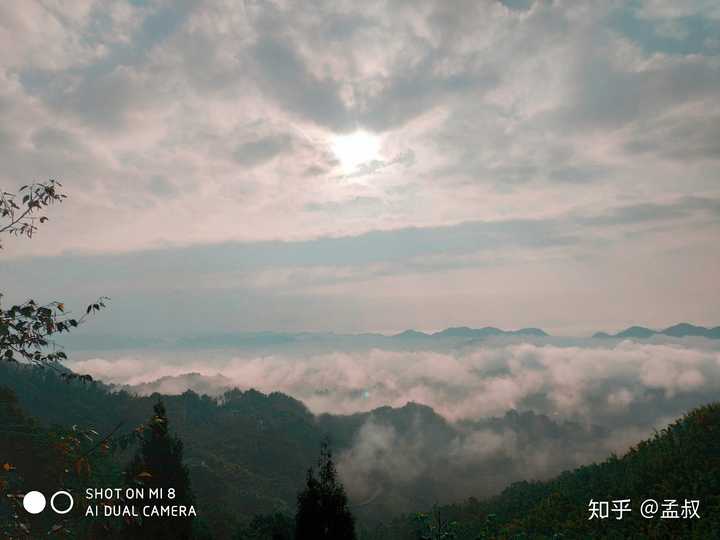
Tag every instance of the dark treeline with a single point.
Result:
(246, 454)
(151, 455)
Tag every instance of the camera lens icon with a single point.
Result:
(34, 502)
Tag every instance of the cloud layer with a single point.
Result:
(500, 412)
(591, 383)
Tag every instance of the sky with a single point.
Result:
(367, 166)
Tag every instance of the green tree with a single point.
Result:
(276, 526)
(322, 507)
(432, 526)
(158, 464)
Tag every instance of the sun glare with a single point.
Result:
(355, 149)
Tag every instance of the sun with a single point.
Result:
(356, 148)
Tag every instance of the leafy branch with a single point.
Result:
(25, 330)
(22, 218)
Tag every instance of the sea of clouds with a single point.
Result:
(582, 401)
(603, 383)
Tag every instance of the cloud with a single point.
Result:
(283, 75)
(686, 207)
(396, 465)
(453, 86)
(454, 423)
(259, 151)
(588, 383)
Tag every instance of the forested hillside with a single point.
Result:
(39, 457)
(682, 462)
(247, 455)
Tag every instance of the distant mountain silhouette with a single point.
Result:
(465, 332)
(410, 334)
(678, 330)
(272, 339)
(531, 332)
(636, 332)
(329, 341)
(280, 338)
(686, 329)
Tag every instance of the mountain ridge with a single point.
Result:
(265, 339)
(682, 329)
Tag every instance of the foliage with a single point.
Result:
(158, 465)
(25, 331)
(432, 526)
(26, 328)
(275, 526)
(21, 219)
(47, 460)
(247, 452)
(322, 507)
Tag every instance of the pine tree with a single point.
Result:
(322, 507)
(158, 464)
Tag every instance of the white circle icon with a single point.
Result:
(34, 502)
(52, 502)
